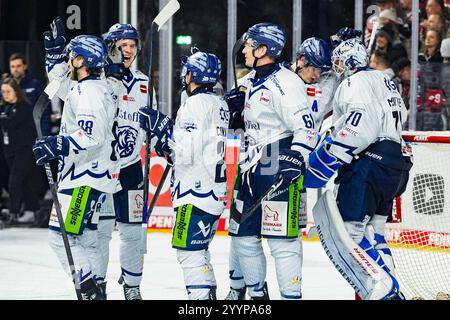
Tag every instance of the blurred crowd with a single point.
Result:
(388, 37)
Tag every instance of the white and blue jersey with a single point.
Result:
(87, 119)
(368, 140)
(370, 110)
(276, 107)
(320, 97)
(133, 95)
(199, 134)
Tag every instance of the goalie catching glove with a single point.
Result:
(322, 165)
(49, 148)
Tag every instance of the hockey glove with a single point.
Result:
(55, 42)
(162, 149)
(235, 100)
(291, 167)
(50, 147)
(114, 63)
(343, 34)
(155, 122)
(322, 166)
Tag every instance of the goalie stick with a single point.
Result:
(163, 16)
(39, 108)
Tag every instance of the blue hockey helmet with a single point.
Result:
(317, 53)
(91, 48)
(122, 31)
(204, 67)
(268, 34)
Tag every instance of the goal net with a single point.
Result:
(419, 235)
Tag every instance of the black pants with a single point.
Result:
(4, 172)
(25, 181)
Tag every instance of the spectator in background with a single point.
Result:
(18, 136)
(379, 60)
(31, 86)
(402, 78)
(385, 41)
(437, 7)
(402, 30)
(382, 5)
(406, 11)
(436, 22)
(431, 52)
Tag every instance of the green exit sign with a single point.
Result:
(184, 40)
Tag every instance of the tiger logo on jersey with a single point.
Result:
(126, 141)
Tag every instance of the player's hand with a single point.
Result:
(235, 100)
(55, 41)
(343, 34)
(291, 167)
(322, 166)
(155, 122)
(114, 66)
(163, 149)
(50, 147)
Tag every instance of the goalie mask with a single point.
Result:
(348, 57)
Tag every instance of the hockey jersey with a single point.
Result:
(276, 107)
(87, 121)
(198, 145)
(320, 97)
(90, 109)
(131, 94)
(368, 108)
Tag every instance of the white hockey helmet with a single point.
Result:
(348, 57)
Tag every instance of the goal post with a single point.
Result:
(419, 233)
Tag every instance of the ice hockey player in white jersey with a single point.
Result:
(125, 206)
(313, 58)
(279, 135)
(196, 148)
(313, 66)
(366, 150)
(88, 164)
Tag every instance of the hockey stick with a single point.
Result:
(158, 190)
(372, 37)
(266, 196)
(163, 16)
(39, 108)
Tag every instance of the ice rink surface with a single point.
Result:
(29, 270)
